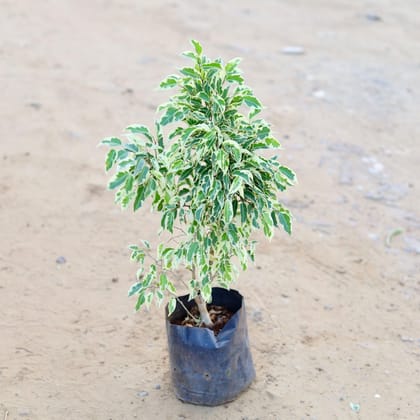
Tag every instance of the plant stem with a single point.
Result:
(201, 304)
(204, 313)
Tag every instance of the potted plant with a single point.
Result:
(209, 180)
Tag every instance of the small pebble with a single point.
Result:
(23, 412)
(377, 396)
(35, 105)
(114, 279)
(61, 260)
(142, 394)
(157, 386)
(405, 339)
(320, 94)
(355, 407)
(293, 50)
(372, 17)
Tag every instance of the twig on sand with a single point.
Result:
(391, 235)
(6, 414)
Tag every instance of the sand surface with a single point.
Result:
(333, 312)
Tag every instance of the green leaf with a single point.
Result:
(197, 46)
(252, 101)
(171, 287)
(135, 288)
(287, 172)
(163, 281)
(271, 141)
(111, 141)
(231, 65)
(171, 305)
(169, 83)
(206, 292)
(129, 183)
(110, 159)
(192, 250)
(235, 78)
(159, 134)
(186, 173)
(204, 96)
(267, 224)
(159, 297)
(245, 175)
(228, 212)
(198, 213)
(244, 213)
(285, 220)
(236, 185)
(140, 129)
(253, 113)
(189, 54)
(140, 301)
(122, 154)
(233, 233)
(142, 174)
(139, 166)
(222, 160)
(214, 65)
(149, 298)
(190, 72)
(118, 179)
(138, 201)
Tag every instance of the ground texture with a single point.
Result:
(333, 311)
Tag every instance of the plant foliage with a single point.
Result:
(207, 178)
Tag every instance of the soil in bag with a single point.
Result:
(218, 315)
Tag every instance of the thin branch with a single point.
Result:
(180, 228)
(196, 320)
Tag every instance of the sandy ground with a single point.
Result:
(333, 312)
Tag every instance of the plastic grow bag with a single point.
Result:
(208, 369)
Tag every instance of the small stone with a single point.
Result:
(24, 412)
(35, 105)
(157, 386)
(355, 407)
(377, 396)
(406, 339)
(61, 260)
(373, 236)
(376, 168)
(328, 307)
(114, 279)
(293, 50)
(373, 17)
(320, 94)
(142, 394)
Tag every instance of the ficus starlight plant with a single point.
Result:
(207, 178)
